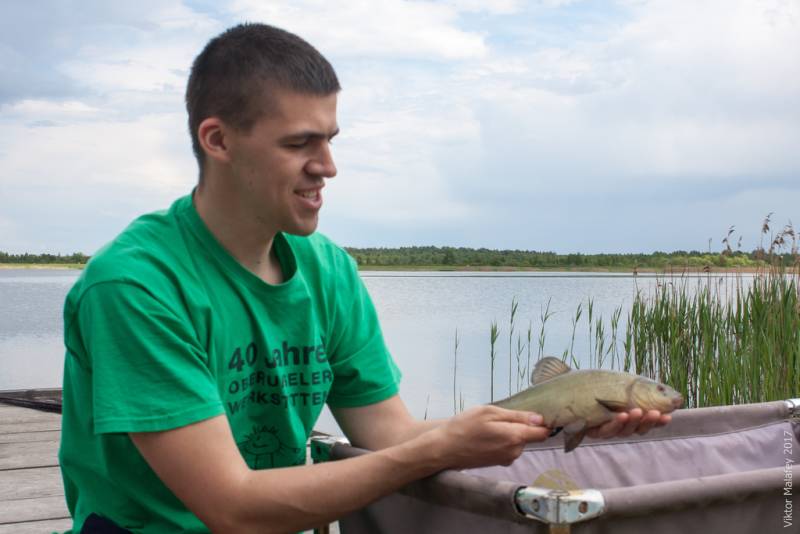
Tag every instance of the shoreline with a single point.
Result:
(500, 269)
(465, 268)
(54, 266)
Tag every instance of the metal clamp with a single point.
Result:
(559, 506)
(794, 407)
(322, 445)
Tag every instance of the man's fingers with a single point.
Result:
(649, 420)
(535, 433)
(626, 423)
(516, 416)
(632, 424)
(610, 429)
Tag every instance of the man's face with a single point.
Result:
(279, 167)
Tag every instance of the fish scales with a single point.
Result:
(579, 400)
(560, 399)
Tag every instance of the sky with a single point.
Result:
(559, 125)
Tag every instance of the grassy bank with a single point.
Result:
(718, 344)
(468, 259)
(560, 269)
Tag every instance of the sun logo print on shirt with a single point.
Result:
(260, 447)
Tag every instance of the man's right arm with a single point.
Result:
(201, 464)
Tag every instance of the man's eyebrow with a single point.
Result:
(310, 134)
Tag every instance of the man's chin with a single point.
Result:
(303, 230)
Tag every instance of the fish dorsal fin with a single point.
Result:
(547, 368)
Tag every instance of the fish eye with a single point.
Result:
(661, 388)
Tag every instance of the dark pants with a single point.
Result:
(95, 524)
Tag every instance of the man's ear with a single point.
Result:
(211, 133)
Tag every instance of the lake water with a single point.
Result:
(420, 313)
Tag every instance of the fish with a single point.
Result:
(577, 400)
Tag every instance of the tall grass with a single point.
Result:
(718, 340)
(721, 343)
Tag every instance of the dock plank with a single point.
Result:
(32, 454)
(31, 490)
(37, 527)
(27, 437)
(34, 426)
(35, 509)
(18, 415)
(30, 483)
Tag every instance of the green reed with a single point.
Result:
(722, 339)
(511, 326)
(726, 342)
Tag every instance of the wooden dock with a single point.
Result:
(31, 491)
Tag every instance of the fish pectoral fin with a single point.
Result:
(547, 368)
(613, 405)
(574, 434)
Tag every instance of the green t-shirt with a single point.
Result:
(165, 328)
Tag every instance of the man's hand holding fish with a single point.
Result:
(488, 435)
(626, 423)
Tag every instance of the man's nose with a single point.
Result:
(322, 164)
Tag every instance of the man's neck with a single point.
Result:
(239, 233)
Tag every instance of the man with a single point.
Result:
(204, 340)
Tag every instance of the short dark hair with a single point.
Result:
(230, 75)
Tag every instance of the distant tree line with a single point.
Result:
(482, 257)
(76, 257)
(522, 259)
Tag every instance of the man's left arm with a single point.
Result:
(380, 425)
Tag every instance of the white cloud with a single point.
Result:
(175, 15)
(145, 153)
(709, 88)
(157, 61)
(558, 3)
(679, 92)
(48, 109)
(140, 73)
(718, 46)
(388, 150)
(7, 227)
(449, 113)
(497, 7)
(372, 28)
